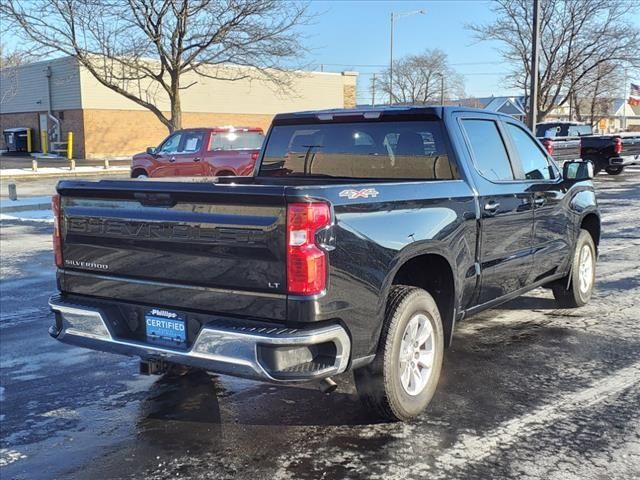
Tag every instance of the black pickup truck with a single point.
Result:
(610, 153)
(362, 239)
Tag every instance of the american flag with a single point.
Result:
(634, 95)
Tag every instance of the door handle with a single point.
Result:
(491, 206)
(197, 159)
(172, 159)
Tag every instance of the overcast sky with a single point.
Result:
(350, 33)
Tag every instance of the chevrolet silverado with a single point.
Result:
(361, 240)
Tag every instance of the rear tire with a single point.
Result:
(614, 170)
(402, 379)
(581, 279)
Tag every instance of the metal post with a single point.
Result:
(28, 140)
(69, 145)
(391, 64)
(535, 47)
(13, 192)
(43, 141)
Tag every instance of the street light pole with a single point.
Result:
(395, 16)
(391, 63)
(535, 46)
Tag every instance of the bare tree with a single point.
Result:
(418, 79)
(577, 36)
(146, 50)
(593, 98)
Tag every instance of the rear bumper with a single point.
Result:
(624, 160)
(243, 351)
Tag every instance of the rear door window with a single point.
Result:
(192, 142)
(488, 149)
(385, 150)
(580, 130)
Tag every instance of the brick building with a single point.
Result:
(106, 124)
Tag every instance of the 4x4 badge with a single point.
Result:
(352, 194)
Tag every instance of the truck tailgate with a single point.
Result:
(189, 245)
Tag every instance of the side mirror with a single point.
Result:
(151, 150)
(577, 171)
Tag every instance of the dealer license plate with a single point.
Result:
(165, 327)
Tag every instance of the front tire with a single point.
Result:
(139, 174)
(614, 170)
(582, 277)
(401, 381)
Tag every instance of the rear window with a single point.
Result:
(415, 150)
(552, 130)
(236, 141)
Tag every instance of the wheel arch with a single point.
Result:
(138, 171)
(591, 223)
(417, 271)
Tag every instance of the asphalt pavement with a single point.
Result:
(528, 391)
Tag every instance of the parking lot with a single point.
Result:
(528, 391)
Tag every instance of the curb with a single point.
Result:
(35, 176)
(26, 208)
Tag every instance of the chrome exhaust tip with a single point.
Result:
(327, 386)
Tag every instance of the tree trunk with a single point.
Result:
(176, 105)
(576, 108)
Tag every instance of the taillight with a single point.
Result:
(57, 236)
(306, 262)
(254, 156)
(548, 145)
(617, 145)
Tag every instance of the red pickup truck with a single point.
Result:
(194, 152)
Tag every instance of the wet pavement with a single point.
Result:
(528, 391)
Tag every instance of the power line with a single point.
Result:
(375, 65)
(463, 74)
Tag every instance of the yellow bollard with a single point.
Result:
(29, 140)
(43, 141)
(69, 145)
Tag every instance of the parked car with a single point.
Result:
(610, 153)
(362, 240)
(194, 152)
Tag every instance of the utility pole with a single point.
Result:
(441, 89)
(373, 91)
(623, 125)
(535, 51)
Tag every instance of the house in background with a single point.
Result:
(509, 105)
(58, 96)
(611, 115)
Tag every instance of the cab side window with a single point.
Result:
(170, 145)
(534, 162)
(488, 150)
